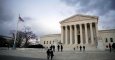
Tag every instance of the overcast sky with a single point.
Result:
(43, 16)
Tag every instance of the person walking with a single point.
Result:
(83, 48)
(80, 48)
(61, 48)
(51, 54)
(110, 47)
(74, 48)
(53, 48)
(58, 47)
(48, 54)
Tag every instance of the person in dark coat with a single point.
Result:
(83, 48)
(48, 54)
(51, 54)
(110, 47)
(61, 48)
(53, 48)
(58, 47)
(80, 48)
(74, 48)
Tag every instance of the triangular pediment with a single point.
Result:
(79, 17)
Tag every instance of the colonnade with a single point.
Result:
(79, 33)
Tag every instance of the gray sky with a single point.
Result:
(43, 16)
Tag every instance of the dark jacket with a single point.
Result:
(48, 52)
(51, 53)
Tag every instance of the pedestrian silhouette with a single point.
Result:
(58, 47)
(53, 48)
(48, 54)
(80, 48)
(51, 54)
(83, 48)
(74, 48)
(61, 48)
(110, 47)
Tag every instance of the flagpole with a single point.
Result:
(14, 45)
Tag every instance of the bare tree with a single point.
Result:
(21, 35)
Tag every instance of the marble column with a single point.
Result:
(62, 34)
(81, 36)
(75, 34)
(96, 28)
(66, 35)
(91, 31)
(70, 34)
(86, 35)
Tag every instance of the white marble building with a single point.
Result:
(51, 39)
(80, 30)
(106, 37)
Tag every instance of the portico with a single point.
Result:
(79, 30)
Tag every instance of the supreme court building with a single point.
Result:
(80, 30)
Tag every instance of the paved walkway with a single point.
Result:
(66, 55)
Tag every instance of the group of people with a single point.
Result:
(109, 46)
(52, 47)
(50, 51)
(50, 54)
(60, 47)
(80, 48)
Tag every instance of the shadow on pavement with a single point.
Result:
(4, 57)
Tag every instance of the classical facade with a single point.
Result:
(80, 30)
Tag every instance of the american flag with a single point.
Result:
(20, 19)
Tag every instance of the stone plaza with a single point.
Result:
(40, 54)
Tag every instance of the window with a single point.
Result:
(106, 40)
(53, 42)
(50, 42)
(44, 42)
(111, 39)
(47, 42)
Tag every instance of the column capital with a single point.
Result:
(62, 26)
(75, 24)
(85, 23)
(90, 23)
